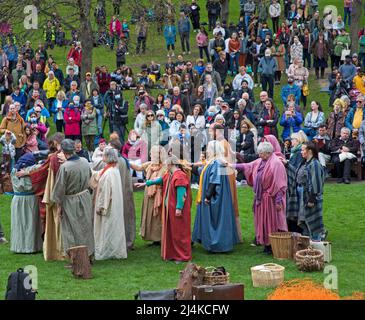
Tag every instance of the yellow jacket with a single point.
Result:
(359, 83)
(51, 87)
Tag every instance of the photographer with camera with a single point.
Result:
(116, 111)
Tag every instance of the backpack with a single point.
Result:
(16, 290)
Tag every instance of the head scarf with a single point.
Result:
(25, 161)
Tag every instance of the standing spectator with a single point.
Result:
(218, 45)
(257, 50)
(184, 31)
(170, 37)
(11, 51)
(58, 108)
(4, 62)
(237, 81)
(117, 111)
(58, 73)
(141, 31)
(88, 86)
(268, 119)
(14, 123)
(120, 54)
(336, 120)
(103, 78)
(296, 50)
(290, 88)
(234, 46)
(347, 11)
(278, 52)
(307, 40)
(300, 75)
(210, 91)
(60, 37)
(348, 71)
(341, 42)
(100, 14)
(275, 11)
(38, 75)
(71, 77)
(267, 68)
(72, 65)
(98, 104)
(72, 118)
(17, 73)
(195, 15)
(51, 86)
(76, 54)
(320, 50)
(249, 9)
(116, 6)
(213, 9)
(221, 66)
(202, 41)
(89, 125)
(115, 30)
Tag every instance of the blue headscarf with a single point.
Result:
(27, 160)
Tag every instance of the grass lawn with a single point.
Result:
(144, 270)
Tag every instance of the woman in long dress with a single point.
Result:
(25, 219)
(267, 176)
(151, 225)
(109, 230)
(215, 222)
(176, 212)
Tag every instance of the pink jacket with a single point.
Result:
(118, 27)
(72, 122)
(202, 40)
(32, 144)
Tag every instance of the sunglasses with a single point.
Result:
(150, 115)
(358, 101)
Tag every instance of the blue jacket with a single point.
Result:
(169, 33)
(183, 25)
(350, 117)
(21, 98)
(11, 52)
(44, 113)
(53, 108)
(287, 90)
(291, 124)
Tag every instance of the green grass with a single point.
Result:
(144, 269)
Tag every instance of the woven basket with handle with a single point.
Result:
(309, 260)
(215, 277)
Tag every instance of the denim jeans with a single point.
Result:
(100, 121)
(307, 58)
(247, 22)
(347, 16)
(234, 62)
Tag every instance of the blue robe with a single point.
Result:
(215, 224)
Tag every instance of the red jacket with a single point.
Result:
(76, 55)
(72, 119)
(118, 27)
(104, 80)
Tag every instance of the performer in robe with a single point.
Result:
(25, 219)
(151, 225)
(128, 199)
(216, 132)
(267, 176)
(109, 231)
(215, 222)
(43, 180)
(176, 212)
(72, 193)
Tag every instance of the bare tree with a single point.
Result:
(356, 14)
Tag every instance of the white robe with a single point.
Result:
(109, 230)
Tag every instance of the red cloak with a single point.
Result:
(176, 233)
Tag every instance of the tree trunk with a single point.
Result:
(86, 37)
(355, 24)
(80, 262)
(225, 11)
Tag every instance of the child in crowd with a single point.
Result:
(7, 141)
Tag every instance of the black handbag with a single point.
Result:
(156, 295)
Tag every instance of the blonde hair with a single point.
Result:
(300, 136)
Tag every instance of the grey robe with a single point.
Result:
(25, 218)
(72, 194)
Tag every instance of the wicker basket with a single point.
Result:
(267, 275)
(309, 260)
(281, 245)
(212, 280)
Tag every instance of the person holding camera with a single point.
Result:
(291, 121)
(116, 111)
